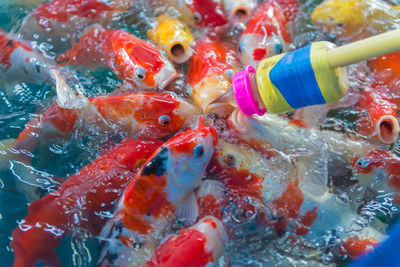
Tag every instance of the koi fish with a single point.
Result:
(78, 202)
(356, 247)
(347, 19)
(173, 37)
(199, 245)
(211, 198)
(379, 160)
(144, 115)
(163, 187)
(209, 74)
(134, 60)
(200, 13)
(20, 62)
(386, 70)
(381, 117)
(239, 9)
(271, 131)
(265, 35)
(311, 217)
(59, 22)
(287, 207)
(246, 176)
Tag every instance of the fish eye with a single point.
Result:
(229, 160)
(198, 151)
(140, 73)
(197, 16)
(164, 120)
(362, 162)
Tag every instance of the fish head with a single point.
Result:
(201, 13)
(368, 164)
(255, 47)
(208, 90)
(215, 234)
(207, 13)
(335, 16)
(161, 114)
(189, 153)
(173, 37)
(210, 72)
(265, 35)
(144, 65)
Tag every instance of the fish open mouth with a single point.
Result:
(179, 52)
(241, 13)
(388, 129)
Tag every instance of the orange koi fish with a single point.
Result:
(59, 22)
(386, 72)
(134, 60)
(381, 116)
(20, 62)
(386, 68)
(199, 245)
(201, 13)
(163, 187)
(266, 34)
(145, 115)
(209, 74)
(78, 202)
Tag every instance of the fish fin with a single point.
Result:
(34, 184)
(187, 209)
(313, 174)
(66, 96)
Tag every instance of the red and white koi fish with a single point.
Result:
(163, 187)
(200, 245)
(78, 202)
(378, 116)
(267, 33)
(209, 74)
(144, 115)
(59, 22)
(286, 209)
(20, 62)
(201, 13)
(211, 198)
(311, 217)
(134, 60)
(300, 144)
(379, 160)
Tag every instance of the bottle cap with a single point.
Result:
(243, 94)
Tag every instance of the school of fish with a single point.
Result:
(175, 175)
